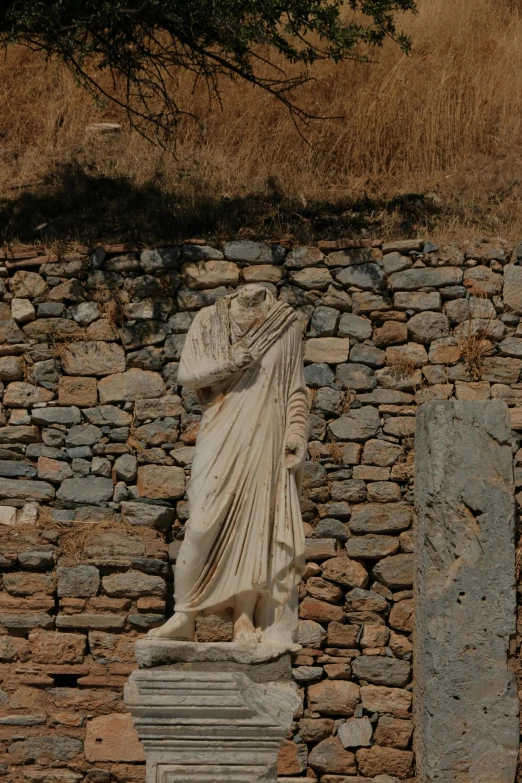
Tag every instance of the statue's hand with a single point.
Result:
(295, 452)
(242, 356)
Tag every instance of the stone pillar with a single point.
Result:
(466, 704)
(211, 713)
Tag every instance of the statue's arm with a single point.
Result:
(298, 407)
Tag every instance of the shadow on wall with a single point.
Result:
(75, 206)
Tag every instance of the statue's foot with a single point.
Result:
(181, 626)
(244, 631)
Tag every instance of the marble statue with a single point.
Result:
(244, 544)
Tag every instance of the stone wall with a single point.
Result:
(96, 442)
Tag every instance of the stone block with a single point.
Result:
(465, 575)
(132, 385)
(113, 738)
(23, 395)
(93, 358)
(82, 392)
(77, 581)
(57, 648)
(334, 697)
(89, 490)
(331, 350)
(159, 482)
(133, 584)
(210, 274)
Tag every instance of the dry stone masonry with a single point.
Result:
(96, 444)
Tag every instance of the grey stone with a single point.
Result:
(44, 374)
(310, 633)
(57, 747)
(101, 622)
(139, 333)
(21, 489)
(53, 437)
(170, 405)
(358, 377)
(160, 259)
(83, 435)
(513, 288)
(85, 313)
(324, 322)
(85, 490)
(417, 301)
(107, 414)
(26, 621)
(358, 424)
(328, 400)
(45, 416)
(332, 528)
(133, 584)
(50, 309)
(148, 358)
(367, 354)
(82, 467)
(318, 374)
(395, 571)
(366, 276)
(12, 469)
(93, 358)
(36, 450)
(174, 345)
(356, 733)
(147, 515)
(302, 257)
(312, 278)
(511, 346)
(464, 542)
(355, 326)
(428, 326)
(246, 250)
(131, 385)
(372, 547)
(425, 277)
(77, 581)
(79, 452)
(380, 670)
(380, 518)
(126, 468)
(395, 262)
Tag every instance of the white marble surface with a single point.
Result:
(244, 542)
(157, 652)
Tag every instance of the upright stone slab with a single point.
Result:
(466, 703)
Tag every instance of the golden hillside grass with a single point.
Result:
(446, 120)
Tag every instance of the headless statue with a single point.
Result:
(244, 542)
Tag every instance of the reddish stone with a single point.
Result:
(385, 761)
(320, 611)
(330, 756)
(113, 738)
(292, 758)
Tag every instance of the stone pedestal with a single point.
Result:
(466, 704)
(214, 712)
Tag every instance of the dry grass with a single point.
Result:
(445, 120)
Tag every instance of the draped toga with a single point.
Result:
(245, 530)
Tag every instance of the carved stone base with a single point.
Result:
(200, 726)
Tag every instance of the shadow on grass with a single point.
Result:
(74, 206)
